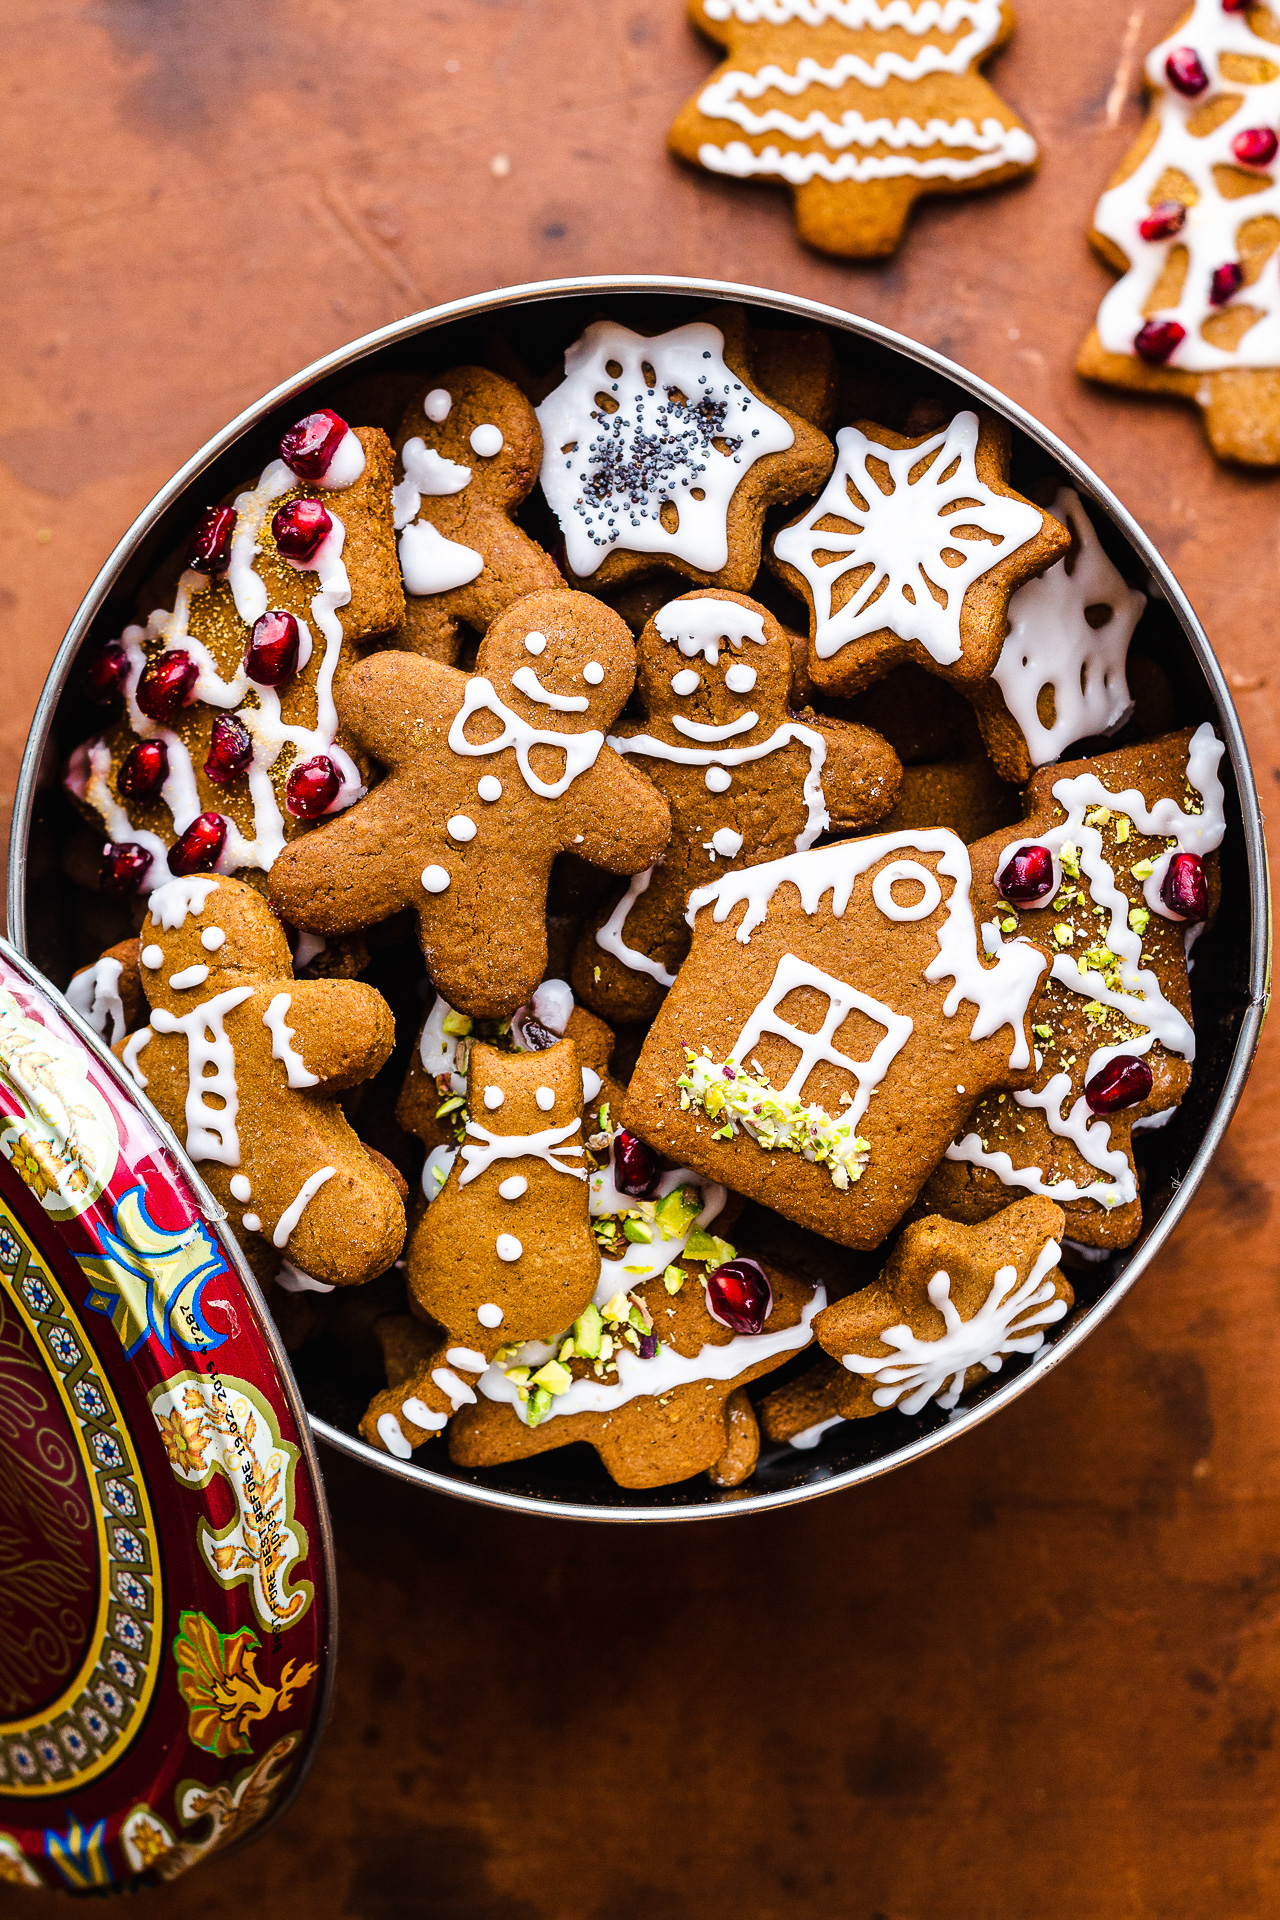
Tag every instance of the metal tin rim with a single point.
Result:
(816, 312)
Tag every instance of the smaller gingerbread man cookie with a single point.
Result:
(246, 1064)
(469, 452)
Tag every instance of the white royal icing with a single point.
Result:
(489, 1315)
(532, 688)
(581, 750)
(431, 564)
(486, 440)
(188, 977)
(211, 1131)
(551, 1145)
(293, 1212)
(438, 404)
(421, 1415)
(391, 1434)
(809, 1437)
(698, 626)
(297, 1074)
(132, 1048)
(94, 992)
(507, 1247)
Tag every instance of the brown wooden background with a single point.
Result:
(1037, 1675)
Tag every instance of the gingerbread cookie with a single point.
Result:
(246, 1064)
(912, 551)
(1190, 222)
(661, 450)
(229, 743)
(490, 776)
(835, 1021)
(859, 107)
(108, 995)
(1112, 870)
(798, 367)
(799, 1413)
(469, 452)
(966, 795)
(745, 780)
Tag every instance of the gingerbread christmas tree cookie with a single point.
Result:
(859, 106)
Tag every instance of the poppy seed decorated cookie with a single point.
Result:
(229, 743)
(746, 780)
(840, 1015)
(468, 452)
(1114, 871)
(246, 1064)
(661, 451)
(911, 552)
(490, 776)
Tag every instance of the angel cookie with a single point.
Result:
(469, 451)
(229, 742)
(911, 552)
(1190, 223)
(246, 1064)
(859, 106)
(661, 451)
(1113, 870)
(834, 1024)
(745, 779)
(490, 775)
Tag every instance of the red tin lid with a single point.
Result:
(166, 1585)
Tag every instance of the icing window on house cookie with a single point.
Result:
(645, 442)
(935, 530)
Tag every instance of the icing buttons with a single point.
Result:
(462, 827)
(739, 678)
(685, 682)
(514, 1187)
(493, 1097)
(435, 879)
(593, 673)
(507, 1247)
(437, 404)
(727, 842)
(212, 938)
(152, 956)
(535, 643)
(546, 1099)
(489, 787)
(489, 1315)
(718, 779)
(486, 440)
(240, 1188)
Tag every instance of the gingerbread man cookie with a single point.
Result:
(911, 552)
(246, 1064)
(469, 452)
(490, 776)
(746, 780)
(859, 106)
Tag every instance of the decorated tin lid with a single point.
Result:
(166, 1584)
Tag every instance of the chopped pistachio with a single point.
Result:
(702, 1245)
(775, 1121)
(1139, 920)
(587, 1330)
(567, 1349)
(1095, 1010)
(595, 975)
(676, 1212)
(1064, 934)
(1122, 827)
(638, 1231)
(607, 1344)
(539, 1406)
(617, 1308)
(457, 1024)
(1043, 1032)
(1100, 958)
(519, 1376)
(1143, 869)
(451, 1105)
(1008, 924)
(1099, 817)
(673, 1279)
(1069, 858)
(552, 1376)
(604, 1117)
(713, 1102)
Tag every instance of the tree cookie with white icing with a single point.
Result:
(662, 451)
(1114, 871)
(469, 451)
(1191, 221)
(490, 776)
(229, 743)
(247, 1065)
(861, 107)
(911, 553)
(745, 777)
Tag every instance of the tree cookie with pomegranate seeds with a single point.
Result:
(229, 743)
(1113, 869)
(469, 452)
(911, 553)
(490, 776)
(859, 106)
(836, 1022)
(1191, 221)
(247, 1065)
(952, 1305)
(745, 777)
(108, 994)
(661, 451)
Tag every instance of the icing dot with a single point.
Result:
(493, 1097)
(462, 827)
(591, 1083)
(437, 404)
(488, 1315)
(252, 1222)
(545, 1098)
(507, 1247)
(212, 938)
(593, 673)
(535, 643)
(513, 1188)
(391, 1434)
(240, 1188)
(685, 682)
(727, 842)
(719, 779)
(152, 956)
(486, 440)
(740, 679)
(434, 879)
(489, 788)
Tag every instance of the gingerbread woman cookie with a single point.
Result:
(746, 780)
(490, 776)
(469, 452)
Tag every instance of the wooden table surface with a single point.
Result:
(1038, 1673)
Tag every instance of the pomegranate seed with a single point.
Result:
(310, 445)
(1123, 1082)
(1184, 889)
(739, 1296)
(209, 548)
(1027, 876)
(145, 770)
(105, 672)
(1165, 219)
(271, 656)
(125, 866)
(312, 788)
(1184, 72)
(230, 749)
(167, 684)
(1156, 340)
(636, 1167)
(301, 528)
(1255, 147)
(1227, 282)
(200, 847)
(1236, 6)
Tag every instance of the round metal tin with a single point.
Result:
(1230, 985)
